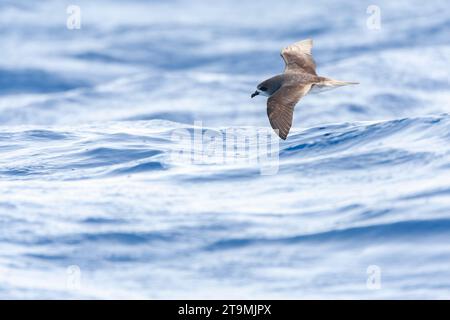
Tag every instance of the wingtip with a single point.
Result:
(306, 40)
(304, 45)
(282, 136)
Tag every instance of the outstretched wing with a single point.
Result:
(298, 57)
(280, 107)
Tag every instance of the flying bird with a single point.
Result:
(285, 90)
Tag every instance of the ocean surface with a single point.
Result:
(101, 196)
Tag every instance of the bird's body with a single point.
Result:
(286, 89)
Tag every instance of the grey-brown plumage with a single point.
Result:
(285, 90)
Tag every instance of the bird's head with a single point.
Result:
(268, 87)
(260, 90)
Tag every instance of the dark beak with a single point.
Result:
(254, 94)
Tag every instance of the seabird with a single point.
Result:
(286, 89)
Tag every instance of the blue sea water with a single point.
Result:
(94, 205)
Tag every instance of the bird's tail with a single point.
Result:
(328, 84)
(336, 83)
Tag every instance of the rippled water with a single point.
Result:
(91, 193)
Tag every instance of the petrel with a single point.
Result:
(286, 89)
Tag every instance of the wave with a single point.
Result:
(405, 230)
(34, 153)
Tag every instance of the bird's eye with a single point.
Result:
(263, 88)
